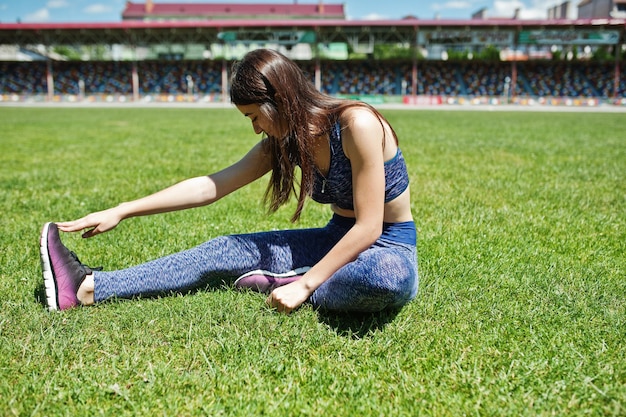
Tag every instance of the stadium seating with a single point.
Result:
(539, 79)
(23, 78)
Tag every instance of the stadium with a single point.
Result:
(513, 135)
(163, 53)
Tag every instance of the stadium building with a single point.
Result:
(182, 52)
(594, 9)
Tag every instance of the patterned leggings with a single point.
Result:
(383, 276)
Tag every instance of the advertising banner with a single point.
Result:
(569, 37)
(465, 37)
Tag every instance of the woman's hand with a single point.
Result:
(289, 297)
(98, 222)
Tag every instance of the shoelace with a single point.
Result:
(87, 267)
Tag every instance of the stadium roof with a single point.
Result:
(334, 30)
(165, 11)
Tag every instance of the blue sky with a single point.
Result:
(111, 10)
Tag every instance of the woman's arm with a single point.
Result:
(363, 144)
(193, 192)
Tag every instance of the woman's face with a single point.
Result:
(260, 123)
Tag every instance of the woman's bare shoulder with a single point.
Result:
(360, 120)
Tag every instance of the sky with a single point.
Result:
(64, 11)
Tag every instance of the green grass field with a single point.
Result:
(521, 309)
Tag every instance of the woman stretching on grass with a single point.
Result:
(363, 260)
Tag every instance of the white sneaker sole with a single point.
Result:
(46, 267)
(288, 274)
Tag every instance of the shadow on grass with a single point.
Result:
(40, 295)
(353, 325)
(357, 325)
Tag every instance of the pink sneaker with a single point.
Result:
(62, 271)
(266, 281)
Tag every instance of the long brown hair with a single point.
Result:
(288, 99)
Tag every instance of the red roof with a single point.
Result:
(150, 9)
(313, 23)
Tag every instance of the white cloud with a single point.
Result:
(537, 9)
(375, 16)
(506, 8)
(97, 9)
(57, 4)
(41, 15)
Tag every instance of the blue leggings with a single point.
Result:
(383, 276)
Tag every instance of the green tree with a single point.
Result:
(489, 53)
(70, 53)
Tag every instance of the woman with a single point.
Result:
(363, 260)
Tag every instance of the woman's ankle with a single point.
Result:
(85, 293)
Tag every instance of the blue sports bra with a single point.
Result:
(336, 186)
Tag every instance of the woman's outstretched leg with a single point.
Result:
(216, 262)
(210, 264)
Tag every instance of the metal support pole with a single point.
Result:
(135, 81)
(616, 78)
(414, 66)
(224, 81)
(49, 79)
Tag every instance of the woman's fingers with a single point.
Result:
(73, 226)
(92, 224)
